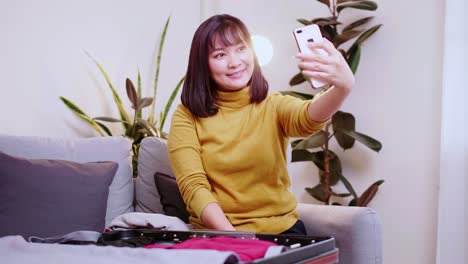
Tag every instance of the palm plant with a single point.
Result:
(138, 127)
(343, 124)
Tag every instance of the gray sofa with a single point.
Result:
(357, 230)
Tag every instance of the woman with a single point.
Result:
(228, 138)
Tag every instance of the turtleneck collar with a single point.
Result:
(234, 99)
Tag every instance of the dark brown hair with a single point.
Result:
(199, 90)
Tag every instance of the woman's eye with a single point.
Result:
(241, 48)
(219, 55)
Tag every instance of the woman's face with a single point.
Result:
(231, 67)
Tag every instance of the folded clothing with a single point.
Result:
(146, 220)
(246, 249)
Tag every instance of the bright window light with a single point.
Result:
(263, 49)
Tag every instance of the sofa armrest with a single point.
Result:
(357, 230)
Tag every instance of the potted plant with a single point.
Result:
(135, 128)
(343, 124)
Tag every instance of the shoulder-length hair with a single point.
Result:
(199, 90)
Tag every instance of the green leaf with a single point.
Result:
(345, 36)
(304, 21)
(343, 195)
(329, 21)
(105, 128)
(298, 155)
(363, 5)
(295, 142)
(369, 194)
(169, 102)
(343, 121)
(297, 79)
(367, 34)
(343, 1)
(364, 139)
(348, 186)
(354, 58)
(123, 113)
(78, 112)
(302, 96)
(108, 119)
(144, 102)
(325, 2)
(314, 141)
(158, 65)
(149, 127)
(357, 23)
(74, 108)
(318, 192)
(139, 112)
(132, 93)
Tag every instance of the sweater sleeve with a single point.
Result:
(184, 154)
(293, 116)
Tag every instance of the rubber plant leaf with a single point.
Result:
(354, 58)
(364, 139)
(314, 141)
(297, 79)
(343, 121)
(302, 96)
(369, 194)
(325, 2)
(318, 192)
(303, 21)
(357, 23)
(363, 5)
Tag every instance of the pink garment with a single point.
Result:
(246, 249)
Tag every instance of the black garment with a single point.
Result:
(297, 229)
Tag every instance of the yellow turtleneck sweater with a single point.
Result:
(237, 158)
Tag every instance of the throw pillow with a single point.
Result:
(116, 149)
(171, 199)
(44, 198)
(152, 157)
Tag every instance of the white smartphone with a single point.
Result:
(303, 35)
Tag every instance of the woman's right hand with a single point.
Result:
(213, 217)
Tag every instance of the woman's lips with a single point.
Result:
(236, 74)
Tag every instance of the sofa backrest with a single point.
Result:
(117, 149)
(152, 158)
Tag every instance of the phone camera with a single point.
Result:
(299, 31)
(310, 40)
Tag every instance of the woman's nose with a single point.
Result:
(234, 61)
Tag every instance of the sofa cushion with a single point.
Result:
(116, 149)
(171, 199)
(40, 197)
(152, 158)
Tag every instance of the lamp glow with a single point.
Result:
(263, 49)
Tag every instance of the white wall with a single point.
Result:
(396, 99)
(42, 58)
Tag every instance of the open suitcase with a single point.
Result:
(301, 249)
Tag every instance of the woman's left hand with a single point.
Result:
(331, 68)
